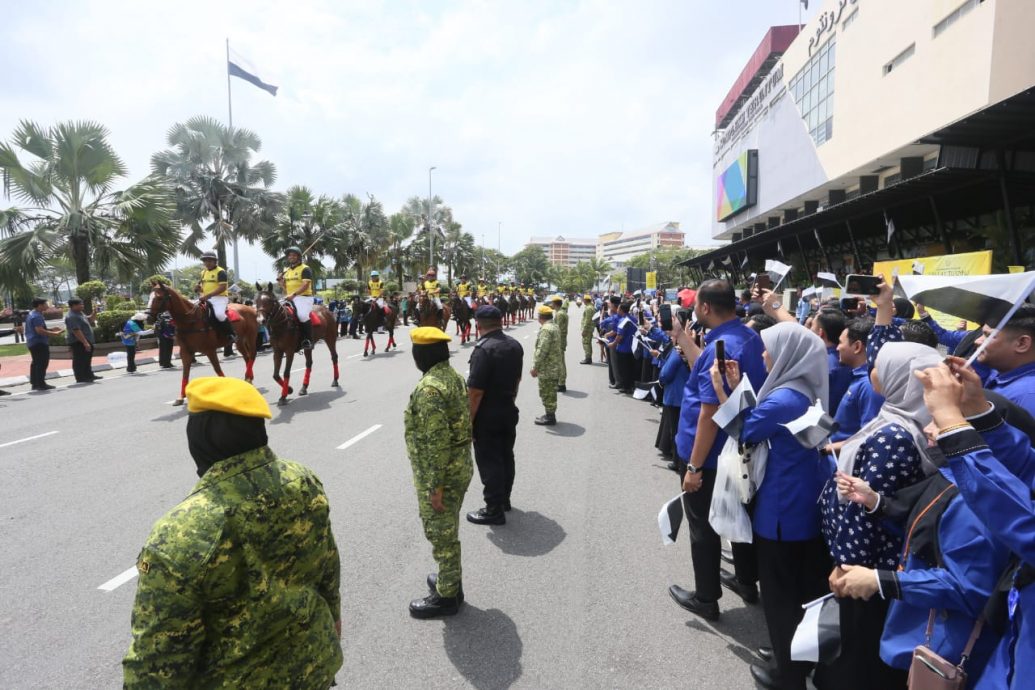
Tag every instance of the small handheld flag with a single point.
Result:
(818, 637)
(669, 519)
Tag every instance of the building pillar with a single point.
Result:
(1015, 239)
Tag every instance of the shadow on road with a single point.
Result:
(566, 429)
(575, 394)
(484, 646)
(742, 628)
(527, 534)
(320, 400)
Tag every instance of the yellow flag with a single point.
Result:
(652, 280)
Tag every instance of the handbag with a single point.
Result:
(929, 671)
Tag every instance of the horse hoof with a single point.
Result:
(365, 354)
(303, 392)
(335, 384)
(282, 402)
(177, 403)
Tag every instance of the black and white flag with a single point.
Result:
(890, 225)
(777, 271)
(827, 280)
(669, 519)
(818, 637)
(813, 428)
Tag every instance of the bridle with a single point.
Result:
(164, 299)
(272, 314)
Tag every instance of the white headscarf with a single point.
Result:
(799, 362)
(903, 400)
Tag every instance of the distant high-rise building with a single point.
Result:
(565, 251)
(618, 247)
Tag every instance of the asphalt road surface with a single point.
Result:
(570, 593)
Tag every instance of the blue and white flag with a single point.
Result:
(237, 66)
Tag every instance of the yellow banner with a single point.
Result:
(1015, 269)
(969, 264)
(652, 280)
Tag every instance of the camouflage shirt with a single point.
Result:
(438, 430)
(547, 359)
(239, 584)
(561, 319)
(587, 319)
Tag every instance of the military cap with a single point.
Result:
(544, 310)
(588, 298)
(429, 335)
(221, 394)
(488, 312)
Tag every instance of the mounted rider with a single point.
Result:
(297, 282)
(431, 287)
(463, 291)
(212, 291)
(376, 288)
(483, 290)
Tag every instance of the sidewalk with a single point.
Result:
(14, 370)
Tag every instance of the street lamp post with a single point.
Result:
(499, 248)
(431, 234)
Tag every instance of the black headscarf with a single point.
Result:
(427, 356)
(216, 436)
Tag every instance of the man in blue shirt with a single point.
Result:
(699, 441)
(1012, 354)
(622, 349)
(37, 337)
(828, 325)
(861, 403)
(607, 326)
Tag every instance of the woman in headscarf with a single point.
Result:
(792, 560)
(888, 453)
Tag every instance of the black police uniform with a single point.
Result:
(496, 364)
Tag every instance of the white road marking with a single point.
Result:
(359, 437)
(297, 370)
(30, 438)
(526, 337)
(353, 356)
(119, 580)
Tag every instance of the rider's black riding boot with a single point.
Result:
(307, 335)
(228, 331)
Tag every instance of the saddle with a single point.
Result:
(231, 315)
(314, 317)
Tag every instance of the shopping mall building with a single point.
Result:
(918, 115)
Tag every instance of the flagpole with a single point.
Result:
(230, 114)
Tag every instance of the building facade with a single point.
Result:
(618, 247)
(562, 251)
(880, 114)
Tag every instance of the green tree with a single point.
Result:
(400, 229)
(90, 290)
(220, 193)
(306, 222)
(531, 265)
(600, 269)
(665, 261)
(72, 210)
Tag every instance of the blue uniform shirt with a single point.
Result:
(950, 339)
(786, 505)
(1017, 385)
(625, 327)
(743, 345)
(860, 404)
(673, 376)
(33, 320)
(840, 379)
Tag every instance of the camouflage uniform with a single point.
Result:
(587, 331)
(547, 362)
(438, 441)
(239, 584)
(561, 319)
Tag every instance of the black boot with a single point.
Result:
(228, 331)
(434, 605)
(547, 419)
(307, 335)
(487, 516)
(433, 587)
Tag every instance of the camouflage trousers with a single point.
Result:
(587, 345)
(548, 392)
(562, 380)
(443, 532)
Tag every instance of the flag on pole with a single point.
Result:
(779, 249)
(237, 66)
(744, 263)
(777, 271)
(982, 299)
(918, 268)
(669, 519)
(827, 280)
(890, 225)
(818, 637)
(812, 428)
(815, 233)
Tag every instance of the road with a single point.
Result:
(570, 593)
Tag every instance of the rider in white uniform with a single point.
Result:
(431, 287)
(297, 281)
(212, 289)
(376, 288)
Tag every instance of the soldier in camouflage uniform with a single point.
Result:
(587, 329)
(238, 583)
(560, 317)
(438, 441)
(546, 366)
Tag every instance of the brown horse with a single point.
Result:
(194, 333)
(462, 314)
(376, 317)
(286, 338)
(428, 315)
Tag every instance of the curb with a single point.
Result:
(62, 373)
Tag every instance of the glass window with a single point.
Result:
(813, 89)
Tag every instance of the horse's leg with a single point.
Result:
(285, 385)
(333, 348)
(213, 357)
(186, 359)
(366, 345)
(308, 370)
(277, 356)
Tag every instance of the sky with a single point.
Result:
(552, 118)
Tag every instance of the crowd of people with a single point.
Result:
(916, 512)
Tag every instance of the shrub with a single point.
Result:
(90, 290)
(110, 323)
(120, 303)
(145, 287)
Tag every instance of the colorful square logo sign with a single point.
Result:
(737, 187)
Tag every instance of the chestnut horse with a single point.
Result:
(376, 317)
(285, 337)
(427, 315)
(194, 333)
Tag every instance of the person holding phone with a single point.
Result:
(698, 442)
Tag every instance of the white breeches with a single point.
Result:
(219, 306)
(303, 305)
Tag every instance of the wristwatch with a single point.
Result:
(691, 469)
(777, 305)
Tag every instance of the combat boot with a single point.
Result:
(562, 388)
(433, 587)
(548, 419)
(586, 361)
(434, 605)
(307, 335)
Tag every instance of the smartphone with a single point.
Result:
(665, 312)
(763, 281)
(863, 285)
(683, 315)
(720, 353)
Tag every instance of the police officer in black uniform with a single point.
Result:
(492, 387)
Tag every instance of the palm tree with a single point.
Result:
(306, 222)
(220, 193)
(599, 268)
(400, 229)
(72, 210)
(531, 265)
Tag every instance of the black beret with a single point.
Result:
(488, 313)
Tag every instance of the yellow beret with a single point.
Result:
(555, 298)
(589, 297)
(221, 394)
(544, 310)
(429, 335)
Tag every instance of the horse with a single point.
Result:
(462, 315)
(428, 314)
(501, 303)
(286, 337)
(374, 317)
(194, 333)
